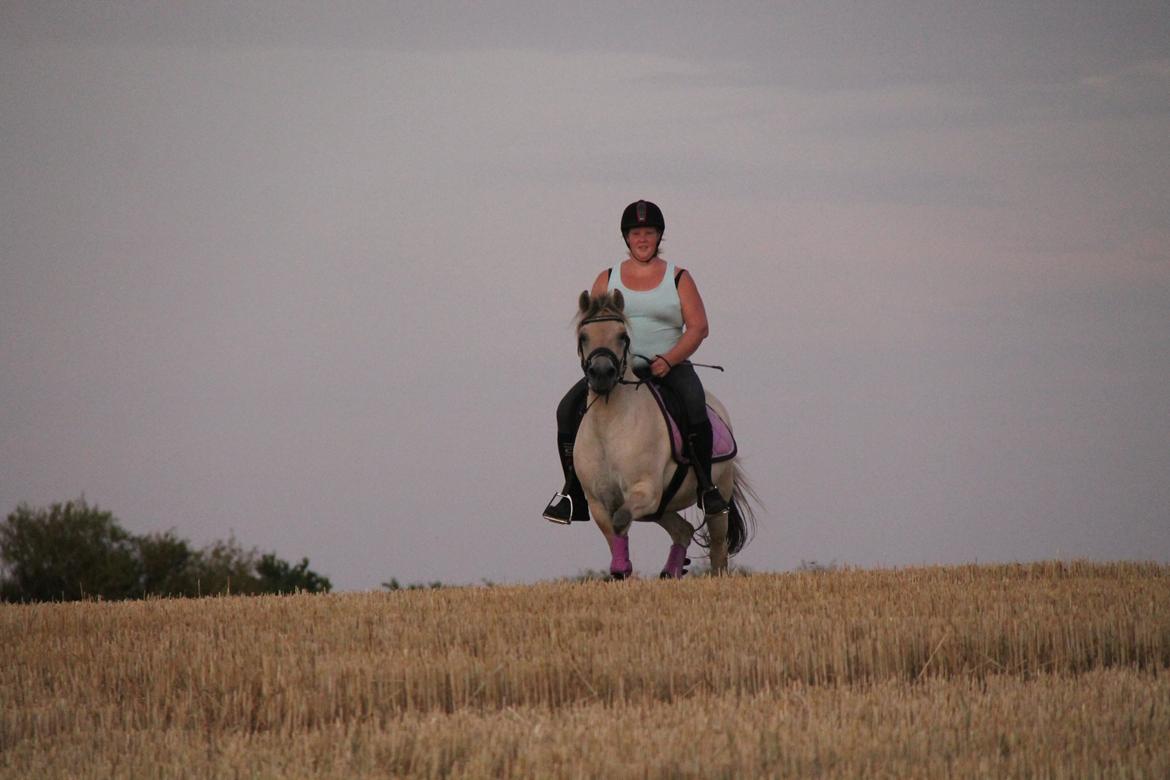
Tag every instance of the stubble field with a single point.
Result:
(1045, 669)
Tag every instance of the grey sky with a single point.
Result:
(305, 272)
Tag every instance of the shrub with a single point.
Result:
(67, 552)
(74, 551)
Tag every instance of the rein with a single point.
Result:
(684, 363)
(621, 363)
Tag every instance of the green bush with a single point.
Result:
(67, 552)
(394, 584)
(169, 566)
(277, 576)
(74, 551)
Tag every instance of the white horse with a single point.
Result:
(623, 454)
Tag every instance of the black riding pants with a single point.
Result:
(682, 379)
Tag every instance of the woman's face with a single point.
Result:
(643, 243)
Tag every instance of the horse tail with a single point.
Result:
(741, 516)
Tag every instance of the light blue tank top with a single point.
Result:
(656, 321)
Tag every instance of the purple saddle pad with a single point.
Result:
(723, 445)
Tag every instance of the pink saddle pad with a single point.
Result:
(723, 445)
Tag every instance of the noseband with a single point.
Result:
(606, 351)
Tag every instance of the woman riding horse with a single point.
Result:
(626, 458)
(667, 323)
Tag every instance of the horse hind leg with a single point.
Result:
(717, 533)
(718, 525)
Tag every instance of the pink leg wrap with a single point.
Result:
(619, 565)
(676, 562)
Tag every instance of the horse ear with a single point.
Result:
(583, 301)
(619, 302)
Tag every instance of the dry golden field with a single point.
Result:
(1052, 670)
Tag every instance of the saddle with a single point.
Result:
(723, 445)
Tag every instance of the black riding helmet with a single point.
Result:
(642, 213)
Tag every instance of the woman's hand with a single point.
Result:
(659, 367)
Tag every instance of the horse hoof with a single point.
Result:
(619, 575)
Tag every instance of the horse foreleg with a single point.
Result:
(620, 566)
(680, 534)
(640, 501)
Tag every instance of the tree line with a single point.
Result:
(74, 551)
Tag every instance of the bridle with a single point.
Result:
(621, 362)
(606, 352)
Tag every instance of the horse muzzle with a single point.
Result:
(603, 369)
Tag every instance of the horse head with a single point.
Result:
(603, 340)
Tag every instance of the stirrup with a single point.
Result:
(553, 504)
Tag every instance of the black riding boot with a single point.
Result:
(700, 445)
(569, 505)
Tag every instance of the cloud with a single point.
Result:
(823, 45)
(1156, 72)
(1139, 89)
